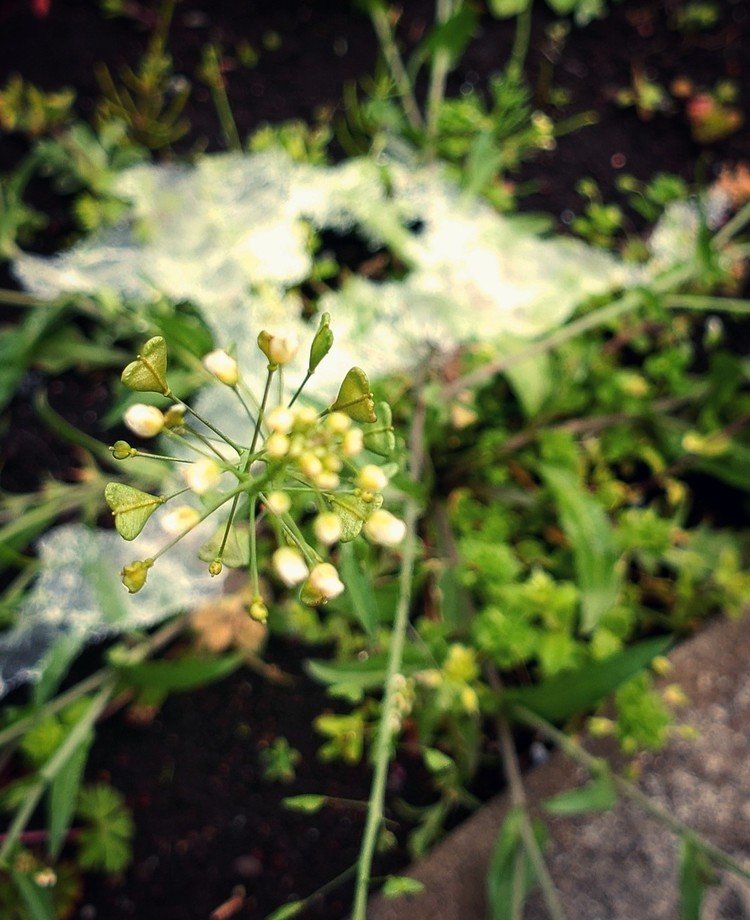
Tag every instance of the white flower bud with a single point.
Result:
(332, 463)
(324, 580)
(327, 527)
(304, 416)
(310, 465)
(280, 419)
(177, 520)
(289, 565)
(222, 366)
(202, 476)
(372, 478)
(338, 422)
(327, 481)
(145, 421)
(353, 442)
(277, 446)
(279, 349)
(278, 502)
(385, 529)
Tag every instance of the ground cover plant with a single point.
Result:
(501, 523)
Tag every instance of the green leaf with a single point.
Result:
(63, 795)
(353, 511)
(396, 886)
(37, 901)
(363, 675)
(180, 674)
(130, 508)
(598, 795)
(576, 691)
(148, 373)
(592, 538)
(695, 874)
(308, 804)
(237, 550)
(453, 35)
(105, 841)
(292, 909)
(361, 596)
(379, 436)
(504, 9)
(532, 379)
(508, 860)
(355, 397)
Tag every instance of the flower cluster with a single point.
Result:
(312, 478)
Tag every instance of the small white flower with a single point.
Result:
(280, 419)
(327, 527)
(145, 421)
(222, 366)
(277, 446)
(278, 502)
(324, 580)
(304, 416)
(282, 348)
(177, 520)
(385, 529)
(202, 476)
(289, 565)
(372, 478)
(353, 442)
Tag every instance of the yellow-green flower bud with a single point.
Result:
(258, 610)
(215, 568)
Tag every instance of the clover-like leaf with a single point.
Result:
(355, 397)
(130, 507)
(321, 343)
(148, 373)
(354, 510)
(236, 553)
(379, 436)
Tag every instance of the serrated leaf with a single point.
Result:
(355, 397)
(576, 691)
(598, 795)
(379, 436)
(148, 373)
(354, 510)
(592, 538)
(308, 804)
(131, 508)
(237, 550)
(396, 886)
(104, 843)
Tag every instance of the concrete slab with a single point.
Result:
(622, 865)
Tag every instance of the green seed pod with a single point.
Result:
(355, 397)
(148, 373)
(321, 343)
(134, 575)
(121, 450)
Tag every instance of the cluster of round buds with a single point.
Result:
(289, 449)
(315, 448)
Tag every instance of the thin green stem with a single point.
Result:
(216, 431)
(299, 389)
(704, 302)
(605, 314)
(245, 406)
(53, 766)
(521, 41)
(206, 514)
(207, 441)
(732, 227)
(254, 581)
(399, 75)
(383, 744)
(262, 410)
(218, 88)
(441, 62)
(630, 791)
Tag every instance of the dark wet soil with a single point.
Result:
(207, 821)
